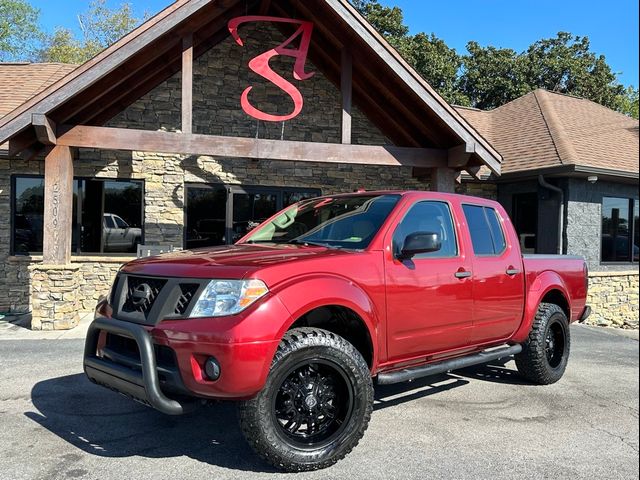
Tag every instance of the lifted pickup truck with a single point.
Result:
(300, 317)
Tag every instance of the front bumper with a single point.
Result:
(163, 366)
(139, 381)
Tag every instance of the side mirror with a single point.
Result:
(420, 242)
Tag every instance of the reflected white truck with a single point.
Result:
(118, 236)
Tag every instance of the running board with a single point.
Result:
(408, 374)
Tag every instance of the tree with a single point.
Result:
(19, 31)
(492, 76)
(566, 64)
(429, 55)
(100, 27)
(629, 102)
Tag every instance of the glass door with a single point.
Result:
(249, 207)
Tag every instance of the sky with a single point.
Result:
(611, 25)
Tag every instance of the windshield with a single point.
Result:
(335, 222)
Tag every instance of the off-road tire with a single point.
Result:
(264, 432)
(533, 362)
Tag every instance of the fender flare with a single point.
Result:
(543, 284)
(329, 290)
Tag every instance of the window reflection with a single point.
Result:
(110, 217)
(617, 228)
(28, 215)
(219, 215)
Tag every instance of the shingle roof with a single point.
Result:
(544, 130)
(21, 81)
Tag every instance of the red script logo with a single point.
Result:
(260, 65)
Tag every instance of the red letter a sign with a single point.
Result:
(260, 65)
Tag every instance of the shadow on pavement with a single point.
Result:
(106, 424)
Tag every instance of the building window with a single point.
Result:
(525, 220)
(107, 216)
(486, 233)
(222, 214)
(620, 239)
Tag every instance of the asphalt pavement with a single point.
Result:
(479, 423)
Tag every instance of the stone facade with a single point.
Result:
(613, 296)
(55, 296)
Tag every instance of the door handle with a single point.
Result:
(512, 272)
(463, 274)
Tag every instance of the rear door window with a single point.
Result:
(486, 232)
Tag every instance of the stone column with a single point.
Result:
(54, 296)
(55, 282)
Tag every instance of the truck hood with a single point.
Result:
(228, 262)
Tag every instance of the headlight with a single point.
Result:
(228, 297)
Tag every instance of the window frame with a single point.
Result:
(233, 189)
(77, 221)
(453, 224)
(500, 224)
(633, 202)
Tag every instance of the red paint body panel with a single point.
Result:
(414, 313)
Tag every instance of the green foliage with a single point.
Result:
(488, 77)
(100, 26)
(491, 76)
(19, 30)
(629, 102)
(428, 54)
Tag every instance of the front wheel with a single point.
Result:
(315, 406)
(545, 354)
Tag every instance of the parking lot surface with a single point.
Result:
(479, 423)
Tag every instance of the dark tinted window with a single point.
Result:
(486, 233)
(97, 200)
(206, 216)
(28, 215)
(432, 217)
(619, 227)
(499, 241)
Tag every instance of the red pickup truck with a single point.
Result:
(299, 319)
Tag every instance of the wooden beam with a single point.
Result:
(21, 142)
(58, 206)
(346, 88)
(474, 171)
(238, 147)
(45, 129)
(187, 84)
(459, 156)
(443, 180)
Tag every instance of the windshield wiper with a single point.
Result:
(307, 243)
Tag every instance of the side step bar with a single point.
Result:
(408, 374)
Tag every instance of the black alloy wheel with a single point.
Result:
(313, 404)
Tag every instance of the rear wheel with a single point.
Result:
(315, 406)
(545, 354)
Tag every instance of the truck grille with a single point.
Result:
(135, 301)
(149, 300)
(187, 291)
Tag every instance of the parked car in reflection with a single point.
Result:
(118, 236)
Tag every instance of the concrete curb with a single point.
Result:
(14, 331)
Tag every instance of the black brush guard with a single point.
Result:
(141, 383)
